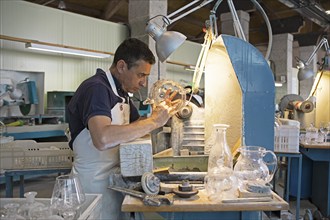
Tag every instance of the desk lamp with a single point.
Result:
(303, 71)
(168, 41)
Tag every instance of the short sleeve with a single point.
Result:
(97, 101)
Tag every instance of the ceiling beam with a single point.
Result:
(310, 10)
(286, 25)
(79, 9)
(308, 39)
(112, 7)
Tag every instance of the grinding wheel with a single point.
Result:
(150, 183)
(287, 100)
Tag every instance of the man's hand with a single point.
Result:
(167, 108)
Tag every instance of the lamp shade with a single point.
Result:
(303, 71)
(166, 41)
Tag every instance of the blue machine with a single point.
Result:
(23, 95)
(257, 85)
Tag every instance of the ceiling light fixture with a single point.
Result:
(304, 72)
(61, 5)
(66, 50)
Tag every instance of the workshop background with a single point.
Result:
(50, 79)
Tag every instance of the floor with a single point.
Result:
(44, 185)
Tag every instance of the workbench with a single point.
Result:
(200, 207)
(11, 174)
(320, 155)
(37, 131)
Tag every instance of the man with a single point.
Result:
(101, 116)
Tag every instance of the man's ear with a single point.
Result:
(121, 65)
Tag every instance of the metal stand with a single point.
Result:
(286, 193)
(10, 174)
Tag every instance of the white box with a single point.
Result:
(28, 154)
(136, 158)
(286, 139)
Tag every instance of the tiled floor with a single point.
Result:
(44, 185)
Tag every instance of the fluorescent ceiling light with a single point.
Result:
(66, 50)
(278, 84)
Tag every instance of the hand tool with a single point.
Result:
(151, 200)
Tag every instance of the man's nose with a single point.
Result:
(143, 82)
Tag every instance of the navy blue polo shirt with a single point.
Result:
(93, 97)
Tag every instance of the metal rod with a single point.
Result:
(321, 43)
(188, 12)
(237, 24)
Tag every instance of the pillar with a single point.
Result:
(139, 12)
(227, 26)
(281, 55)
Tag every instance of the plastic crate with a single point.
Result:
(90, 210)
(28, 154)
(287, 137)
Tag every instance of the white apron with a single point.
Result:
(94, 167)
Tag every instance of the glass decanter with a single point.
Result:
(311, 134)
(30, 203)
(220, 152)
(220, 182)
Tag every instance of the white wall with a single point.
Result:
(22, 19)
(186, 54)
(35, 22)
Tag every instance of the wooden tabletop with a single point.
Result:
(200, 203)
(316, 145)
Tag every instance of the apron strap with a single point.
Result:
(113, 85)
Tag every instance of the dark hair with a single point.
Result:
(132, 50)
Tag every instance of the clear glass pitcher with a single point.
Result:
(251, 166)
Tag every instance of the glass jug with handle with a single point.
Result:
(251, 166)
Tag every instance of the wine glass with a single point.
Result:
(68, 196)
(325, 129)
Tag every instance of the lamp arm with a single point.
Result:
(213, 19)
(182, 8)
(215, 7)
(205, 2)
(321, 43)
(270, 32)
(315, 84)
(199, 69)
(237, 24)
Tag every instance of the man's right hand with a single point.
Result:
(165, 110)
